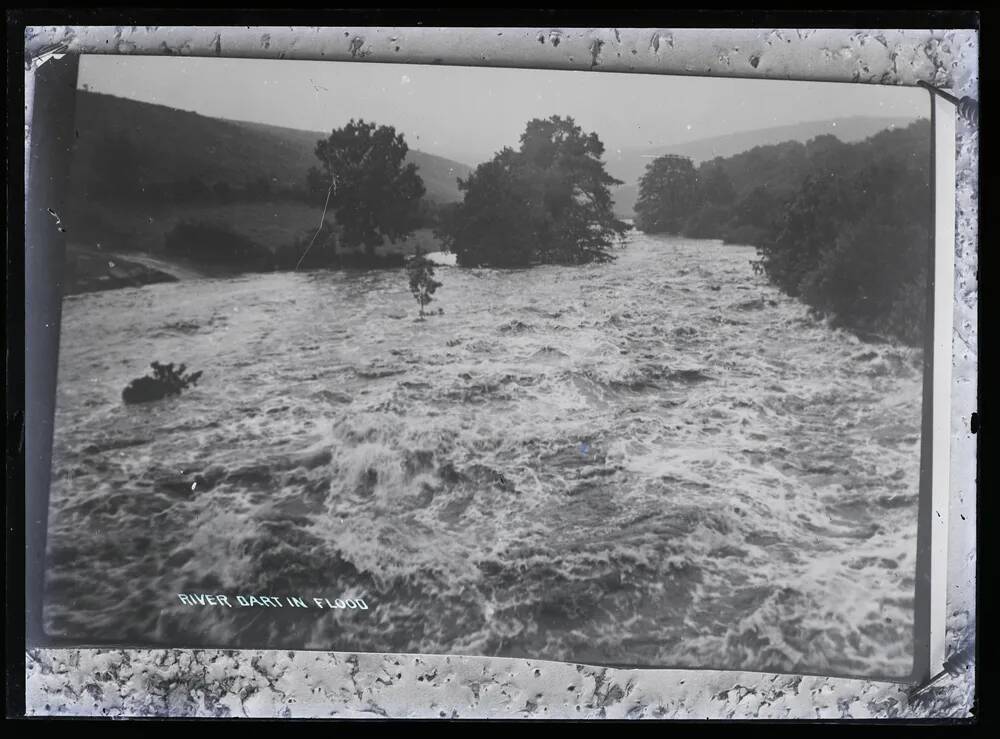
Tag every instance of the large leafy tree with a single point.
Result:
(547, 202)
(492, 225)
(668, 192)
(374, 194)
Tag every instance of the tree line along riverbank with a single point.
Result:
(842, 226)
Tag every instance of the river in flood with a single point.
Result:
(661, 461)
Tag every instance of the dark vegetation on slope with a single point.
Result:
(145, 177)
(140, 150)
(628, 164)
(845, 227)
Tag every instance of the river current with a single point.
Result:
(662, 461)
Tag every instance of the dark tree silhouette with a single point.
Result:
(493, 225)
(371, 190)
(165, 381)
(422, 283)
(668, 192)
(548, 202)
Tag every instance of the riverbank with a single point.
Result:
(94, 269)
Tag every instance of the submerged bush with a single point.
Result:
(165, 382)
(420, 270)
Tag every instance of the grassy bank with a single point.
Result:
(128, 244)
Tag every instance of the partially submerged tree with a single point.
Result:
(667, 193)
(422, 283)
(548, 202)
(493, 225)
(166, 381)
(374, 194)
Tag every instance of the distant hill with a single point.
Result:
(630, 164)
(170, 145)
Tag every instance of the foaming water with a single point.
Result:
(661, 461)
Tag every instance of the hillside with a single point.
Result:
(629, 164)
(165, 145)
(781, 168)
(140, 171)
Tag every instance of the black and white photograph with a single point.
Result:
(615, 369)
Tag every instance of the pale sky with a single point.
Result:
(468, 113)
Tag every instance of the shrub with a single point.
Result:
(422, 283)
(165, 382)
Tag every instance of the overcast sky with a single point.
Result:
(468, 113)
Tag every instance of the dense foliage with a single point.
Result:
(845, 227)
(857, 247)
(668, 191)
(547, 202)
(373, 192)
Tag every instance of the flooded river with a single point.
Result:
(662, 461)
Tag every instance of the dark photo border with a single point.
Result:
(31, 386)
